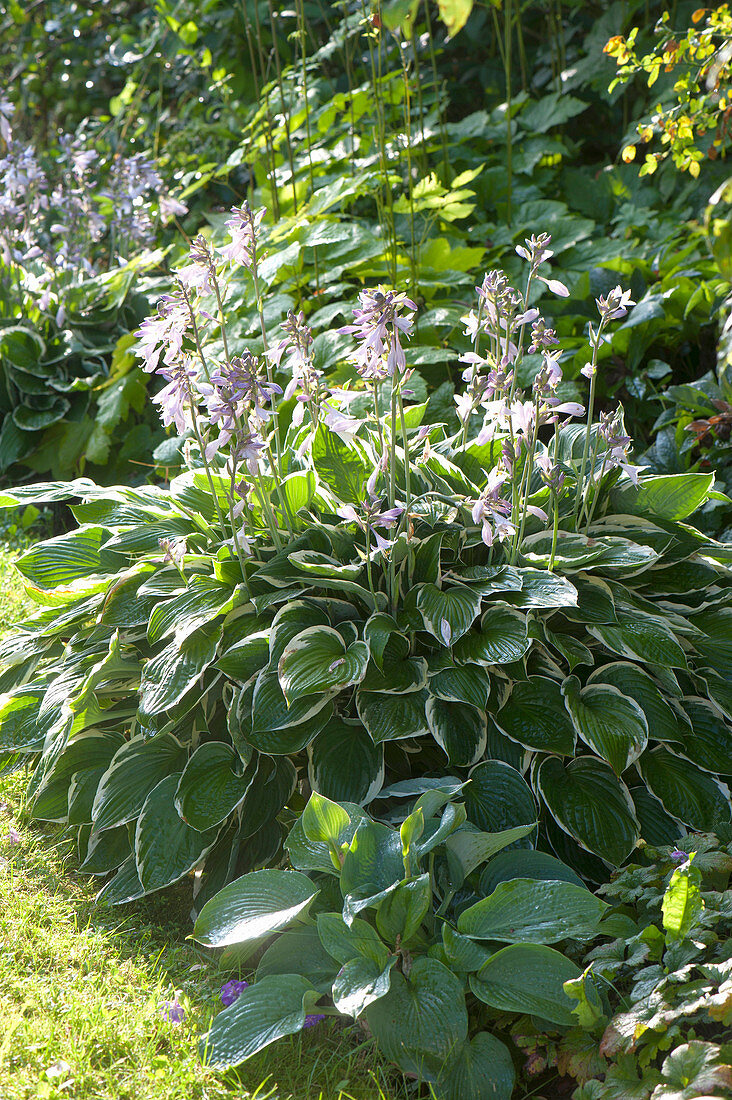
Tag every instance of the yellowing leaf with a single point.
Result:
(698, 15)
(628, 153)
(454, 14)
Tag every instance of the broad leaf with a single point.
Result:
(498, 798)
(212, 785)
(502, 638)
(686, 793)
(136, 768)
(534, 715)
(611, 724)
(392, 717)
(318, 661)
(525, 910)
(166, 848)
(359, 983)
(273, 1007)
(345, 764)
(255, 905)
(459, 729)
(480, 1069)
(527, 978)
(448, 613)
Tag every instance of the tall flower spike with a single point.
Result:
(243, 226)
(378, 325)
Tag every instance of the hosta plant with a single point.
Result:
(339, 594)
(393, 925)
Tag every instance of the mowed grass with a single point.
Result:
(83, 989)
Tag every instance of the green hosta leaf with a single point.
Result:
(462, 954)
(323, 821)
(663, 724)
(270, 711)
(502, 638)
(81, 765)
(485, 580)
(377, 631)
(535, 716)
(504, 983)
(343, 467)
(480, 1069)
(202, 601)
(688, 794)
(309, 855)
(245, 659)
(641, 638)
(344, 943)
(106, 851)
(124, 887)
(591, 805)
(345, 764)
(255, 905)
(498, 797)
(290, 621)
(359, 983)
(271, 1008)
(682, 902)
(398, 676)
(607, 721)
(136, 768)
(400, 915)
(299, 951)
(595, 603)
(19, 720)
(571, 553)
(166, 848)
(322, 565)
(61, 561)
(525, 863)
(466, 850)
(541, 588)
(461, 684)
(373, 860)
(525, 910)
(317, 661)
(670, 496)
(459, 729)
(709, 741)
(448, 613)
(392, 717)
(168, 675)
(212, 785)
(656, 826)
(422, 1019)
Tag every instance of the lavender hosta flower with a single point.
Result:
(164, 332)
(174, 550)
(491, 510)
(232, 990)
(243, 226)
(615, 304)
(537, 249)
(176, 400)
(6, 113)
(541, 336)
(618, 445)
(199, 272)
(173, 1010)
(170, 208)
(551, 475)
(378, 325)
(13, 836)
(370, 517)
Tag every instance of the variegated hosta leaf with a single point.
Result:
(459, 729)
(641, 638)
(688, 794)
(137, 767)
(590, 804)
(501, 639)
(540, 588)
(317, 660)
(168, 675)
(498, 797)
(610, 723)
(212, 785)
(392, 717)
(461, 684)
(534, 715)
(166, 848)
(448, 613)
(663, 722)
(345, 764)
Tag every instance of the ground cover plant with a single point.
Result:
(336, 596)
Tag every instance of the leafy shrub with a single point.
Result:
(653, 1004)
(339, 593)
(396, 924)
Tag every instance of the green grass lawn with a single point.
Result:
(83, 989)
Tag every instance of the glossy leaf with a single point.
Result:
(166, 848)
(266, 1011)
(317, 661)
(448, 613)
(212, 785)
(502, 638)
(535, 716)
(610, 723)
(525, 910)
(502, 982)
(257, 904)
(345, 764)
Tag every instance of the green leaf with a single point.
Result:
(698, 800)
(246, 658)
(525, 863)
(400, 915)
(60, 561)
(524, 910)
(345, 764)
(540, 588)
(373, 860)
(447, 613)
(322, 565)
(607, 721)
(535, 716)
(663, 724)
(480, 1069)
(682, 902)
(376, 633)
(173, 671)
(255, 905)
(202, 602)
(642, 638)
(309, 855)
(466, 850)
(212, 785)
(359, 983)
(19, 720)
(343, 467)
(591, 805)
(502, 982)
(454, 14)
(498, 797)
(669, 496)
(270, 712)
(694, 1071)
(399, 675)
(422, 1019)
(459, 729)
(135, 769)
(323, 821)
(344, 942)
(166, 848)
(266, 1011)
(317, 660)
(392, 717)
(502, 638)
(299, 951)
(461, 684)
(708, 743)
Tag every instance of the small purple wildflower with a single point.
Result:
(232, 991)
(13, 836)
(678, 856)
(173, 1010)
(311, 1021)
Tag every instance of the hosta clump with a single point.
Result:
(339, 595)
(404, 926)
